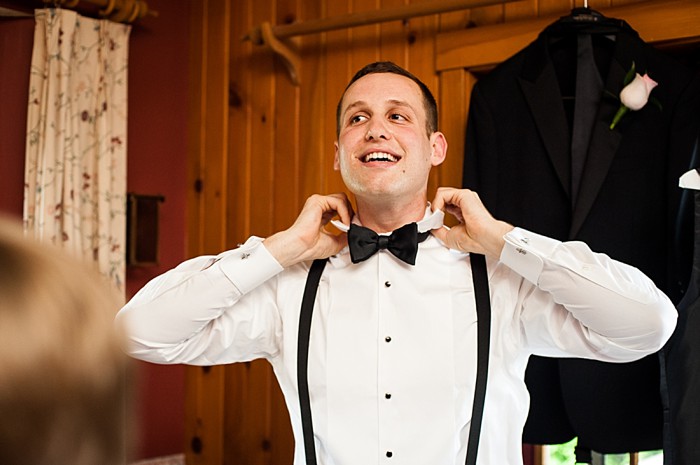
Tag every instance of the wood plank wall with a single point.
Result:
(260, 146)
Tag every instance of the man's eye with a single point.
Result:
(397, 117)
(357, 119)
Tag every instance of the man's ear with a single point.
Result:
(336, 160)
(438, 144)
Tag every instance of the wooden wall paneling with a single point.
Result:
(594, 4)
(249, 415)
(239, 179)
(455, 20)
(656, 22)
(209, 131)
(520, 10)
(486, 15)
(555, 7)
(663, 22)
(215, 116)
(455, 92)
(239, 445)
(452, 107)
(279, 445)
(393, 36)
(249, 385)
(623, 2)
(240, 111)
(312, 94)
(485, 47)
(204, 389)
(421, 48)
(236, 440)
(365, 39)
(281, 438)
(195, 199)
(263, 133)
(286, 133)
(337, 71)
(204, 415)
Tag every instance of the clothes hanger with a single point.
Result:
(589, 21)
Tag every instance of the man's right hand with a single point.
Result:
(307, 238)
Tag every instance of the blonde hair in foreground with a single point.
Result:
(62, 373)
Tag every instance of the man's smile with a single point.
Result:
(380, 157)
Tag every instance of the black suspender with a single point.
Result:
(483, 311)
(483, 315)
(307, 310)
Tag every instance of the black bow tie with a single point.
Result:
(403, 242)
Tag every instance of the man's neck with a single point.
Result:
(383, 217)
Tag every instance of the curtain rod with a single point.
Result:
(120, 11)
(271, 36)
(364, 18)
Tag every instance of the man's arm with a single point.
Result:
(307, 238)
(197, 313)
(477, 231)
(574, 302)
(223, 309)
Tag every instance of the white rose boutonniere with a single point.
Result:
(635, 94)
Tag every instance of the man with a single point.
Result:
(63, 389)
(392, 351)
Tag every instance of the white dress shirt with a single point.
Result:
(392, 358)
(690, 180)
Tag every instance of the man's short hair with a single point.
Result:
(429, 102)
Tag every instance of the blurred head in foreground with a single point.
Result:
(63, 387)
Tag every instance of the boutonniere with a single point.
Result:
(635, 94)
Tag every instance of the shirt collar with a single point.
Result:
(431, 220)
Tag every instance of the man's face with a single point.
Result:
(383, 149)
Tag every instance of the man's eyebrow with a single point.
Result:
(400, 103)
(362, 103)
(356, 104)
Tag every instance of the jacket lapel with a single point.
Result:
(604, 141)
(540, 87)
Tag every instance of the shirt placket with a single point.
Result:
(388, 342)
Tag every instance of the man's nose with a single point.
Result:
(376, 131)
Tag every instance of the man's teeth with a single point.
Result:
(380, 156)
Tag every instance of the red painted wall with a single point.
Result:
(16, 39)
(157, 163)
(157, 148)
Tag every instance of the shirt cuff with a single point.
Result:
(525, 251)
(249, 265)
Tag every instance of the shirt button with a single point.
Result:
(387, 284)
(387, 339)
(389, 453)
(387, 395)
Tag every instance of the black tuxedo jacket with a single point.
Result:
(518, 160)
(682, 368)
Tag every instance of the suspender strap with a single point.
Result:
(483, 310)
(483, 314)
(307, 310)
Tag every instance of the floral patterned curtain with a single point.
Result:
(75, 175)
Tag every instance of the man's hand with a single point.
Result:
(307, 238)
(477, 230)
